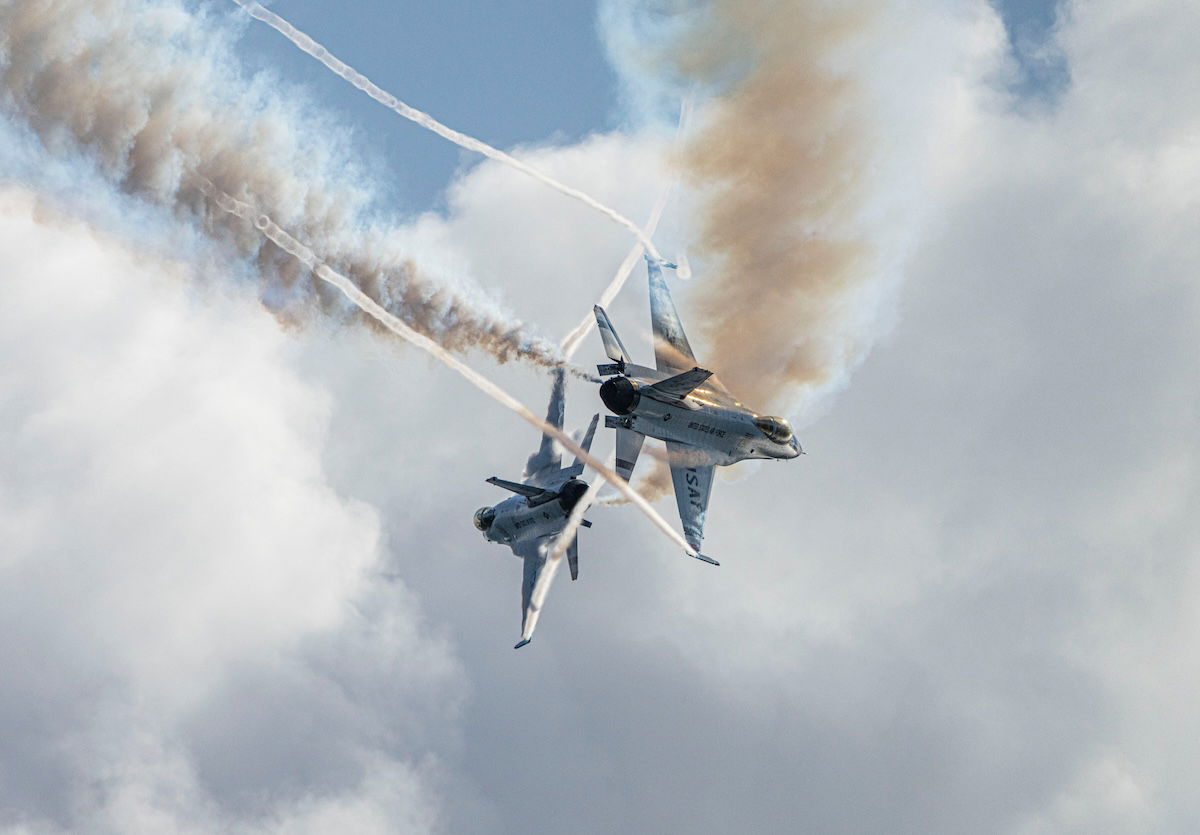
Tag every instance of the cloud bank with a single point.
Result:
(969, 609)
(177, 573)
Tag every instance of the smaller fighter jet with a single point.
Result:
(685, 406)
(530, 522)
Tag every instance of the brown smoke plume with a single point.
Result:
(653, 480)
(781, 164)
(150, 93)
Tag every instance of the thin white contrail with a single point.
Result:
(572, 340)
(324, 272)
(538, 597)
(341, 68)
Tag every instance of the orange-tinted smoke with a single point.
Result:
(781, 165)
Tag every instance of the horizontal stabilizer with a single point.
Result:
(629, 445)
(608, 334)
(703, 558)
(681, 385)
(536, 495)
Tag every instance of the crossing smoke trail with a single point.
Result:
(305, 255)
(572, 340)
(561, 544)
(654, 483)
(781, 161)
(344, 70)
(151, 95)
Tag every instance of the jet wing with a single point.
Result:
(534, 554)
(693, 484)
(679, 386)
(672, 351)
(536, 495)
(548, 458)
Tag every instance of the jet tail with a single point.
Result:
(656, 263)
(608, 334)
(548, 458)
(577, 467)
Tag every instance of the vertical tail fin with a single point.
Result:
(608, 334)
(577, 467)
(547, 457)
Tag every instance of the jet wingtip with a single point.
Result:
(523, 642)
(659, 262)
(706, 559)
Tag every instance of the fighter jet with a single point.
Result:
(685, 406)
(530, 522)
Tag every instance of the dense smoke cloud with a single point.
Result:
(151, 94)
(782, 163)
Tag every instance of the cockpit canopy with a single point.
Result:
(775, 428)
(484, 518)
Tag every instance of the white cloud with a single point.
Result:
(169, 536)
(968, 609)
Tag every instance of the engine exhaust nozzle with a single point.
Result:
(620, 395)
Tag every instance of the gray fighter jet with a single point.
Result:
(685, 406)
(531, 521)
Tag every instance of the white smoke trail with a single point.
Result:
(572, 340)
(561, 544)
(151, 98)
(306, 256)
(341, 68)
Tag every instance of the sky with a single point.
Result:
(510, 74)
(239, 585)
